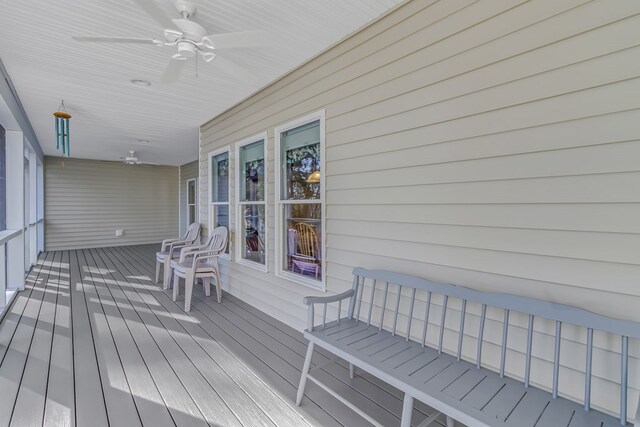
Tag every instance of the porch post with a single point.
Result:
(15, 208)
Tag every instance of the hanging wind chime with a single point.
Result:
(62, 129)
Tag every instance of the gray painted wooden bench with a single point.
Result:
(462, 390)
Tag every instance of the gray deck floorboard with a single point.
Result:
(92, 341)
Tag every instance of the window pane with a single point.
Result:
(253, 228)
(192, 214)
(252, 172)
(191, 192)
(300, 160)
(220, 178)
(221, 218)
(303, 228)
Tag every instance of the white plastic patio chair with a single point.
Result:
(200, 263)
(170, 249)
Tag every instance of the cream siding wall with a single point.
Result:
(489, 144)
(187, 171)
(87, 200)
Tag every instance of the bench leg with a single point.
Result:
(352, 371)
(305, 372)
(451, 422)
(407, 410)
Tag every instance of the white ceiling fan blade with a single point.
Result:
(154, 11)
(191, 28)
(233, 69)
(173, 70)
(240, 39)
(207, 56)
(114, 40)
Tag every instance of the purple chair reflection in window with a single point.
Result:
(305, 247)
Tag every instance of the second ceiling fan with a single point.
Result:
(189, 37)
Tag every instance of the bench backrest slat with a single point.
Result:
(560, 313)
(426, 319)
(556, 358)
(397, 310)
(587, 372)
(442, 322)
(371, 299)
(483, 316)
(413, 301)
(527, 369)
(384, 304)
(503, 349)
(463, 310)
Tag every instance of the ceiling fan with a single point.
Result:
(190, 39)
(132, 159)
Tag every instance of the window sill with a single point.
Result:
(300, 280)
(256, 266)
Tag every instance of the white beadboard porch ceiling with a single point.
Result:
(110, 114)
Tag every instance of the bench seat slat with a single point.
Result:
(529, 409)
(422, 371)
(465, 384)
(482, 394)
(556, 415)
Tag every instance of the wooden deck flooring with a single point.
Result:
(92, 341)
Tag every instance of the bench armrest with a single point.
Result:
(310, 301)
(328, 299)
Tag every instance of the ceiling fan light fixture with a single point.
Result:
(178, 57)
(186, 49)
(140, 82)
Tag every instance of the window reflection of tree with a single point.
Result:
(301, 161)
(254, 191)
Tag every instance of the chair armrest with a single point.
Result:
(188, 251)
(167, 242)
(332, 298)
(202, 255)
(178, 244)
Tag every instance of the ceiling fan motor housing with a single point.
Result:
(185, 8)
(186, 48)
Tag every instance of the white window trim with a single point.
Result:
(195, 203)
(279, 243)
(239, 259)
(211, 155)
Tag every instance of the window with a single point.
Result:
(251, 196)
(219, 189)
(192, 204)
(299, 148)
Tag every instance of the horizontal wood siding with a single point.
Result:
(87, 200)
(489, 144)
(187, 171)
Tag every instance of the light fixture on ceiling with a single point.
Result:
(139, 82)
(143, 141)
(314, 177)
